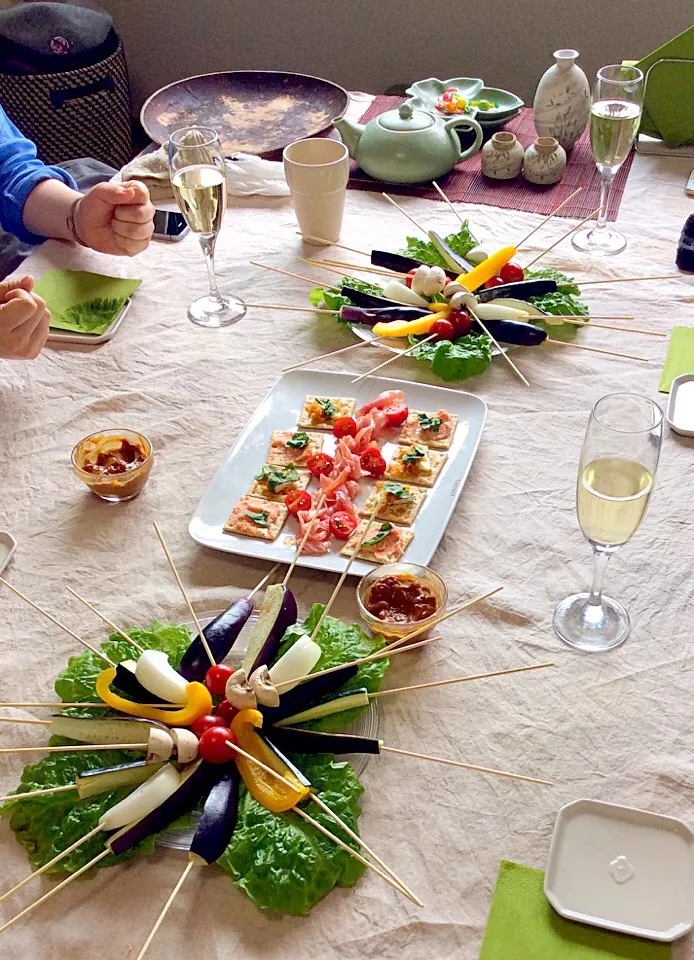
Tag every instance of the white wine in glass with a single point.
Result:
(198, 177)
(616, 474)
(615, 115)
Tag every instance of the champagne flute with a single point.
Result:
(198, 177)
(615, 115)
(616, 473)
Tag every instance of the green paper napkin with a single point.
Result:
(680, 357)
(669, 107)
(523, 926)
(81, 301)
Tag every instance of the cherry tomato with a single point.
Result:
(511, 273)
(226, 713)
(461, 321)
(345, 427)
(443, 329)
(216, 678)
(320, 463)
(343, 525)
(212, 745)
(409, 275)
(297, 500)
(396, 415)
(372, 462)
(206, 723)
(494, 282)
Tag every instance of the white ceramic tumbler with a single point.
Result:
(317, 171)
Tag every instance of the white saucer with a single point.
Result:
(8, 545)
(622, 869)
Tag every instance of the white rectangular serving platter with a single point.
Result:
(280, 411)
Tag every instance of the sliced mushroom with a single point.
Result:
(418, 278)
(435, 282)
(460, 301)
(239, 693)
(186, 744)
(160, 745)
(263, 687)
(452, 288)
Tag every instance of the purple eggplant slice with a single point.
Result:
(219, 817)
(518, 291)
(308, 693)
(277, 613)
(126, 681)
(313, 741)
(221, 635)
(370, 317)
(362, 299)
(513, 331)
(402, 264)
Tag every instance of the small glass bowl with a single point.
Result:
(118, 487)
(395, 630)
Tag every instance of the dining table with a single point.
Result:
(616, 726)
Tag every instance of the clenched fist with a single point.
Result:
(116, 218)
(24, 319)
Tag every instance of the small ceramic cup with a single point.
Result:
(317, 171)
(545, 161)
(502, 157)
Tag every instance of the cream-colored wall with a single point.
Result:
(372, 45)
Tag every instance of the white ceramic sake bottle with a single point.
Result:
(562, 100)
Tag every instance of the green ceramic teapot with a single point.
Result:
(408, 145)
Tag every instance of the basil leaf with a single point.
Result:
(327, 406)
(259, 518)
(429, 423)
(381, 535)
(298, 440)
(397, 490)
(277, 476)
(418, 452)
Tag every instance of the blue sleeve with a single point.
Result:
(20, 171)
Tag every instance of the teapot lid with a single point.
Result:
(405, 119)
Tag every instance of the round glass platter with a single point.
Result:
(366, 725)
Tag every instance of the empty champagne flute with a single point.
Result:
(198, 177)
(615, 115)
(616, 474)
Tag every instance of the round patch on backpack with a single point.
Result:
(59, 45)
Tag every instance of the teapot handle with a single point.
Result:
(470, 124)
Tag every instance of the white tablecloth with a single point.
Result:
(616, 727)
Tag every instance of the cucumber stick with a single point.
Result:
(349, 700)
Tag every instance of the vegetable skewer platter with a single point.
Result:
(154, 725)
(322, 454)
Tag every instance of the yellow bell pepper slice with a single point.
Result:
(403, 328)
(487, 269)
(267, 790)
(198, 703)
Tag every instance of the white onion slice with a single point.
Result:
(297, 662)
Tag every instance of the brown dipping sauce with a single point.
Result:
(401, 598)
(127, 456)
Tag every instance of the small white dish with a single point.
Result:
(8, 545)
(622, 869)
(680, 408)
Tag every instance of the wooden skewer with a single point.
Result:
(547, 219)
(669, 276)
(51, 863)
(446, 200)
(406, 214)
(333, 353)
(62, 626)
(328, 269)
(165, 909)
(503, 353)
(184, 594)
(302, 544)
(54, 890)
(402, 353)
(588, 322)
(445, 683)
(280, 306)
(82, 746)
(61, 705)
(467, 766)
(109, 623)
(36, 793)
(379, 655)
(285, 273)
(42, 723)
(563, 237)
(263, 581)
(343, 575)
(332, 243)
(582, 346)
(392, 274)
(446, 616)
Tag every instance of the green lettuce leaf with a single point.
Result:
(282, 862)
(92, 316)
(458, 359)
(461, 243)
(331, 298)
(340, 643)
(565, 301)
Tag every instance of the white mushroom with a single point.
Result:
(477, 254)
(420, 275)
(160, 745)
(452, 288)
(239, 693)
(463, 301)
(435, 282)
(263, 687)
(186, 744)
